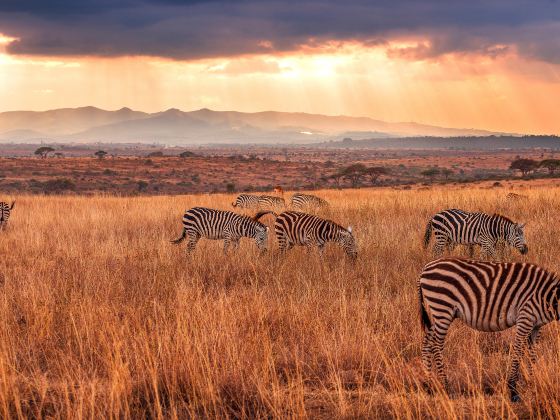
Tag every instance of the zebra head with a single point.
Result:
(347, 242)
(515, 237)
(261, 237)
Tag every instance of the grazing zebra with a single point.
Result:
(200, 222)
(487, 296)
(300, 200)
(295, 228)
(454, 226)
(5, 210)
(246, 201)
(516, 197)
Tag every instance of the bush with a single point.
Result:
(58, 185)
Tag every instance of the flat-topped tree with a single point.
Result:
(375, 172)
(524, 166)
(551, 164)
(431, 173)
(43, 151)
(100, 154)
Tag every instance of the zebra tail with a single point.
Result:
(428, 234)
(180, 239)
(260, 214)
(13, 204)
(425, 321)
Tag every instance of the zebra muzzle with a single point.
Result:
(524, 249)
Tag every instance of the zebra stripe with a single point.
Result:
(200, 222)
(270, 201)
(5, 211)
(301, 200)
(452, 227)
(295, 228)
(516, 197)
(487, 296)
(246, 201)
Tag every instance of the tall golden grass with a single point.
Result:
(103, 317)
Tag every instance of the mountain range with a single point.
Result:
(204, 126)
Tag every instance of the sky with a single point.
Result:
(487, 64)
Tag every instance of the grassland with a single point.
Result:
(102, 317)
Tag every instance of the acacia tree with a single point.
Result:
(355, 173)
(446, 172)
(43, 151)
(551, 164)
(524, 166)
(375, 172)
(431, 173)
(100, 154)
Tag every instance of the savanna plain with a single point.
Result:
(103, 318)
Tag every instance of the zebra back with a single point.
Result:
(300, 200)
(246, 201)
(270, 201)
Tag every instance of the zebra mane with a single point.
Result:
(501, 216)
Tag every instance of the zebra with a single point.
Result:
(270, 201)
(516, 197)
(245, 201)
(200, 222)
(301, 200)
(487, 296)
(296, 228)
(5, 211)
(454, 226)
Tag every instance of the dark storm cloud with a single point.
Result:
(198, 28)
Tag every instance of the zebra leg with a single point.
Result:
(191, 243)
(489, 250)
(439, 332)
(531, 341)
(321, 249)
(522, 336)
(471, 251)
(227, 241)
(235, 243)
(427, 351)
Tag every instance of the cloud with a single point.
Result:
(186, 30)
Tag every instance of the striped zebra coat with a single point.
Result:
(301, 201)
(249, 201)
(246, 201)
(452, 227)
(271, 202)
(200, 222)
(486, 296)
(295, 228)
(5, 212)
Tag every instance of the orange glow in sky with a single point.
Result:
(392, 82)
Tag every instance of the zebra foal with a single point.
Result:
(5, 212)
(295, 228)
(452, 227)
(486, 296)
(201, 222)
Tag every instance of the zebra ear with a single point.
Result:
(267, 228)
(521, 226)
(349, 229)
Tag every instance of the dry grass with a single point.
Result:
(102, 317)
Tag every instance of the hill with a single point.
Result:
(204, 126)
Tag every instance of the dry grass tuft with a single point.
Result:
(102, 317)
